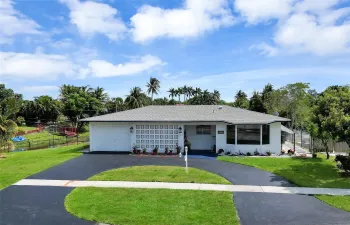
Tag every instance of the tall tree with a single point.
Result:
(47, 109)
(197, 91)
(330, 117)
(179, 92)
(136, 98)
(100, 94)
(79, 103)
(153, 86)
(241, 100)
(256, 103)
(115, 105)
(172, 93)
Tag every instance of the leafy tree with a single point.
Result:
(296, 105)
(136, 98)
(79, 103)
(161, 101)
(115, 105)
(46, 108)
(153, 86)
(241, 100)
(256, 103)
(330, 117)
(9, 107)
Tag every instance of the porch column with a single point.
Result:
(236, 147)
(261, 137)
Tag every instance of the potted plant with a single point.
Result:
(171, 152)
(134, 149)
(283, 152)
(178, 149)
(268, 153)
(144, 151)
(249, 154)
(166, 151)
(155, 150)
(221, 151)
(256, 153)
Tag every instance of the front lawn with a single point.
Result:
(153, 206)
(160, 174)
(309, 172)
(19, 165)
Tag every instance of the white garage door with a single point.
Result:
(110, 137)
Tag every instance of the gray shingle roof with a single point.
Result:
(189, 113)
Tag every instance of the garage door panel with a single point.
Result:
(110, 138)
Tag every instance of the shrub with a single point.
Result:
(228, 153)
(249, 154)
(155, 150)
(178, 149)
(290, 153)
(166, 151)
(21, 121)
(268, 153)
(20, 131)
(256, 153)
(144, 151)
(221, 151)
(345, 162)
(314, 155)
(188, 145)
(134, 149)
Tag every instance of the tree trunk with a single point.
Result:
(325, 143)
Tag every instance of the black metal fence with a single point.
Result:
(47, 143)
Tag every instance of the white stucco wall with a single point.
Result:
(200, 142)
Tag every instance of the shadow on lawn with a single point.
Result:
(316, 172)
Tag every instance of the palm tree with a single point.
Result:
(135, 99)
(184, 92)
(216, 95)
(172, 92)
(100, 94)
(8, 129)
(153, 86)
(179, 92)
(197, 91)
(189, 92)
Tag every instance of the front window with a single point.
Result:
(231, 134)
(248, 134)
(266, 134)
(203, 130)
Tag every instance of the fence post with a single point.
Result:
(29, 144)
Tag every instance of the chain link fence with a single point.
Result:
(40, 144)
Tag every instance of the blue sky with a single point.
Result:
(213, 44)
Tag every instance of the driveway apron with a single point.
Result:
(21, 205)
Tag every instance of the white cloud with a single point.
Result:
(304, 26)
(13, 23)
(93, 17)
(101, 68)
(265, 49)
(34, 66)
(65, 43)
(255, 11)
(39, 89)
(194, 18)
(303, 33)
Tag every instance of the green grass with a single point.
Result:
(341, 202)
(151, 206)
(308, 172)
(160, 174)
(27, 128)
(19, 165)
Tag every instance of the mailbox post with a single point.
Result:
(186, 150)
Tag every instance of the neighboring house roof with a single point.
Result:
(189, 113)
(285, 129)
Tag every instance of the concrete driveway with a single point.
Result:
(21, 205)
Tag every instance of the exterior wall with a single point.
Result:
(200, 142)
(179, 140)
(109, 136)
(274, 146)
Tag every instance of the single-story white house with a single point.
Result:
(205, 127)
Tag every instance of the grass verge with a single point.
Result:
(308, 172)
(160, 174)
(18, 165)
(151, 206)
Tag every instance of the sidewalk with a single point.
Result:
(184, 186)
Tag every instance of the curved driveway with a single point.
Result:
(21, 205)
